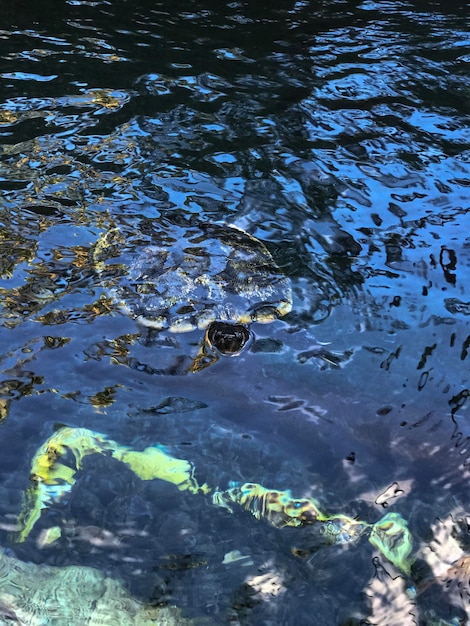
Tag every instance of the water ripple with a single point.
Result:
(337, 134)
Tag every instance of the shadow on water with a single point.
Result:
(335, 133)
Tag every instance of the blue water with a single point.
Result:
(337, 134)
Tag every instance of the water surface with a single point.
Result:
(337, 134)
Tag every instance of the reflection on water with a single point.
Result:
(336, 135)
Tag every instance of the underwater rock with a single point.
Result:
(35, 595)
(388, 598)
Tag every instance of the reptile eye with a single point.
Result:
(228, 339)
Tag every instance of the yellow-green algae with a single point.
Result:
(391, 536)
(277, 507)
(73, 596)
(52, 478)
(281, 509)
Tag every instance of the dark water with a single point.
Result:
(336, 133)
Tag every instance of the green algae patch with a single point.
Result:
(53, 474)
(392, 537)
(154, 463)
(52, 478)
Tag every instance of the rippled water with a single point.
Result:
(337, 134)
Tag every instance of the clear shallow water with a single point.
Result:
(336, 133)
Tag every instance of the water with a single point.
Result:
(337, 134)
